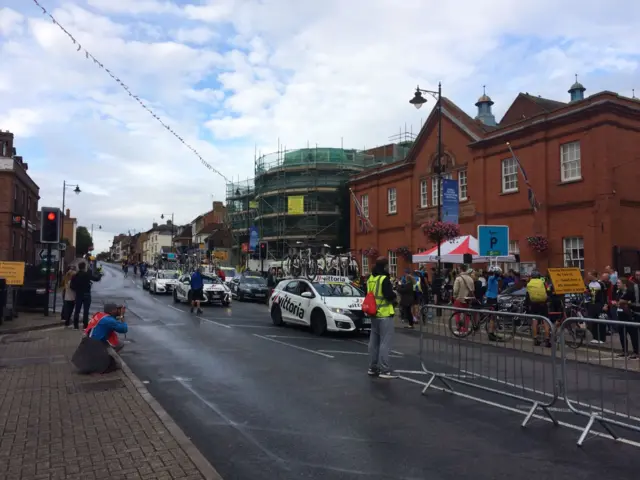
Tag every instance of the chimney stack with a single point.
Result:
(155, 225)
(67, 213)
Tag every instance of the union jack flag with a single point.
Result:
(363, 220)
(532, 197)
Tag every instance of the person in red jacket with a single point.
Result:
(220, 274)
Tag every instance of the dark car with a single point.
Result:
(146, 280)
(250, 288)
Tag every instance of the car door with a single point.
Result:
(183, 287)
(286, 298)
(304, 304)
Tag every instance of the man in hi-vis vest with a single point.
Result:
(382, 326)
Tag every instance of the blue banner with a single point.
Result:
(253, 239)
(450, 201)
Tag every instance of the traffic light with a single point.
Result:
(49, 225)
(263, 250)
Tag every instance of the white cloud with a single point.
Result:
(229, 75)
(11, 22)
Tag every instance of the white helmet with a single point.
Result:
(495, 269)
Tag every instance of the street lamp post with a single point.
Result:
(93, 225)
(417, 101)
(63, 217)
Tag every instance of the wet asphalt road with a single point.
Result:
(265, 403)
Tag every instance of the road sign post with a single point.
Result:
(493, 240)
(46, 303)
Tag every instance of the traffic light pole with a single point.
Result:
(46, 304)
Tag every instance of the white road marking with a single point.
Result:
(315, 352)
(367, 344)
(353, 353)
(294, 337)
(414, 372)
(253, 326)
(515, 410)
(177, 309)
(214, 322)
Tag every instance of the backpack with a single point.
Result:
(537, 291)
(369, 305)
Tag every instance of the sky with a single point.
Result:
(236, 77)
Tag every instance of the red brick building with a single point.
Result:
(582, 159)
(19, 197)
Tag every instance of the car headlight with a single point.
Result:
(340, 311)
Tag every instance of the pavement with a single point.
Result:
(58, 425)
(266, 402)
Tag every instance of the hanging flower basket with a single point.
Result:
(370, 252)
(438, 232)
(404, 252)
(538, 243)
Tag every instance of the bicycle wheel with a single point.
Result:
(573, 335)
(504, 328)
(461, 327)
(295, 266)
(311, 269)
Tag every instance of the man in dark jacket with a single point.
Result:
(81, 285)
(382, 326)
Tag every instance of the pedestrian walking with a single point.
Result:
(382, 327)
(81, 285)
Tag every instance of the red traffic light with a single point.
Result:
(51, 217)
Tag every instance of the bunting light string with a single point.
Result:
(89, 56)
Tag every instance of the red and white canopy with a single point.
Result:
(453, 251)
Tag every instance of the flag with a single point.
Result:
(365, 223)
(532, 197)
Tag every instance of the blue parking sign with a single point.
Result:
(493, 240)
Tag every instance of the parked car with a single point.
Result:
(215, 292)
(164, 281)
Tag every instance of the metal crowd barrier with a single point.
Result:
(595, 381)
(602, 385)
(512, 368)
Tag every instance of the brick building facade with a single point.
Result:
(19, 197)
(582, 159)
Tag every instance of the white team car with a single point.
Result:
(163, 281)
(214, 290)
(324, 304)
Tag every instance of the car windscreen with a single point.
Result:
(337, 290)
(254, 281)
(211, 280)
(229, 272)
(168, 275)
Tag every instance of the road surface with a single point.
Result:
(264, 402)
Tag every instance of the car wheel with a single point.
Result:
(240, 297)
(318, 323)
(175, 297)
(189, 296)
(276, 316)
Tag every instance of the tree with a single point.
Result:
(83, 241)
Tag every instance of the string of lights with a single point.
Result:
(89, 56)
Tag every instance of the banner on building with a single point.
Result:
(450, 200)
(253, 239)
(296, 205)
(253, 205)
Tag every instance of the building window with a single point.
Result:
(570, 168)
(392, 203)
(424, 193)
(509, 175)
(574, 252)
(514, 249)
(364, 203)
(365, 265)
(393, 264)
(435, 184)
(462, 185)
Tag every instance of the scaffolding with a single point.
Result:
(242, 209)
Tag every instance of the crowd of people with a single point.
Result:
(606, 296)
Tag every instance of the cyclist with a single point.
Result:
(125, 269)
(463, 290)
(536, 301)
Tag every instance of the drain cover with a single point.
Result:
(95, 387)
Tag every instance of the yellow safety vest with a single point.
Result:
(385, 307)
